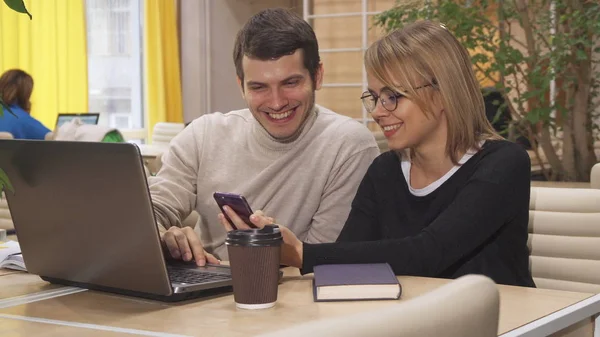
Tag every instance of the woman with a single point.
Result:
(16, 87)
(452, 197)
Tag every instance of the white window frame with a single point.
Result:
(364, 14)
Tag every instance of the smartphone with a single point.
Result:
(237, 203)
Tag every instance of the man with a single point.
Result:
(297, 161)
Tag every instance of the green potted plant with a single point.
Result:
(18, 6)
(542, 56)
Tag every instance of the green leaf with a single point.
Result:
(533, 116)
(18, 6)
(5, 182)
(581, 55)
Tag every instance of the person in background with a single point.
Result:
(452, 197)
(77, 130)
(290, 157)
(16, 87)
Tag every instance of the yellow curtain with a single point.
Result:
(161, 50)
(52, 49)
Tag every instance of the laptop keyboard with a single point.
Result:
(192, 276)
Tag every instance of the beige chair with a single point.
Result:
(564, 239)
(6, 135)
(154, 164)
(163, 132)
(595, 176)
(468, 306)
(5, 217)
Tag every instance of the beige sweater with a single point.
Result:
(307, 184)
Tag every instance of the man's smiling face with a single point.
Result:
(280, 93)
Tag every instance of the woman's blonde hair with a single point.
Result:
(426, 53)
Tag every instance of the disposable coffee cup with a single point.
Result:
(254, 256)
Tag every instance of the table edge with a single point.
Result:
(559, 319)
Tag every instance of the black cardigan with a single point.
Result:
(474, 223)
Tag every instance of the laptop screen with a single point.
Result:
(86, 118)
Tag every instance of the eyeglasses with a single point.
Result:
(388, 97)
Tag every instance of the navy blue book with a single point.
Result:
(354, 282)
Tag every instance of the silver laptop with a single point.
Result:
(84, 217)
(86, 118)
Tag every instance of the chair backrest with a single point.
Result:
(154, 164)
(5, 217)
(564, 238)
(163, 132)
(595, 176)
(6, 135)
(468, 306)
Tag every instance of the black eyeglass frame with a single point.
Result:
(392, 93)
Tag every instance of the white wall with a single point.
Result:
(208, 30)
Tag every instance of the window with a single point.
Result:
(114, 43)
(342, 50)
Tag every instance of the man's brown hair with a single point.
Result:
(273, 33)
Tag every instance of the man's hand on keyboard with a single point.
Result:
(184, 243)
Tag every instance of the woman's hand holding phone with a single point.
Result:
(291, 250)
(238, 223)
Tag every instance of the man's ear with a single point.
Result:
(241, 85)
(319, 76)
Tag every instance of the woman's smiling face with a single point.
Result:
(406, 126)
